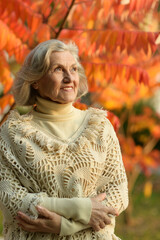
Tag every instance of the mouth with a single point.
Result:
(67, 88)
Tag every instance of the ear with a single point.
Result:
(35, 85)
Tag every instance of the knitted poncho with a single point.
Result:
(34, 165)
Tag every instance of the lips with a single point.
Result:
(67, 88)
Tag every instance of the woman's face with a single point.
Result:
(61, 82)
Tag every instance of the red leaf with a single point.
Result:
(43, 33)
(36, 22)
(114, 120)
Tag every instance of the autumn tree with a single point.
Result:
(118, 44)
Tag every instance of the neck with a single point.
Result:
(52, 108)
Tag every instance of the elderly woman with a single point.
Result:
(61, 171)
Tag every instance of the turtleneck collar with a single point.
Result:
(52, 108)
(49, 110)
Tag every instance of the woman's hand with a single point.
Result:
(48, 222)
(100, 213)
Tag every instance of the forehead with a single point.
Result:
(63, 58)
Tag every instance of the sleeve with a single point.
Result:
(76, 213)
(14, 196)
(79, 208)
(69, 227)
(114, 175)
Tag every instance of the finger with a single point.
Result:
(100, 197)
(117, 212)
(111, 211)
(25, 226)
(102, 225)
(23, 222)
(107, 221)
(28, 228)
(38, 227)
(44, 212)
(24, 217)
(96, 228)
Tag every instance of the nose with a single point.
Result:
(67, 77)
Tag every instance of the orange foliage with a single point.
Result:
(11, 43)
(6, 102)
(114, 120)
(80, 105)
(134, 155)
(5, 76)
(43, 33)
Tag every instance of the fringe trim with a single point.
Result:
(22, 125)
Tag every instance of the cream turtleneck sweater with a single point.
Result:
(61, 120)
(59, 159)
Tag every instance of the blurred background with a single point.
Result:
(119, 48)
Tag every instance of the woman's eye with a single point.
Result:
(58, 69)
(74, 69)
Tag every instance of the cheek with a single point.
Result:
(46, 88)
(49, 84)
(77, 81)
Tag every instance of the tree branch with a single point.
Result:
(87, 1)
(65, 18)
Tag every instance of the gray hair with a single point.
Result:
(37, 64)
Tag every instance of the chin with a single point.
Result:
(69, 100)
(62, 101)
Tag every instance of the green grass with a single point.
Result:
(146, 214)
(146, 220)
(1, 227)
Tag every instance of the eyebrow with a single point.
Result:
(59, 64)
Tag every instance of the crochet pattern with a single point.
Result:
(35, 164)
